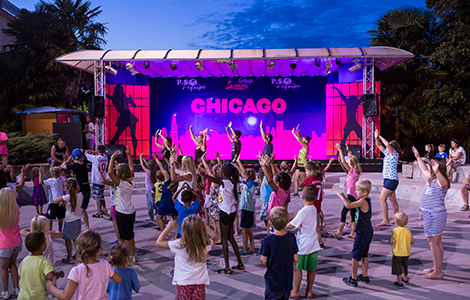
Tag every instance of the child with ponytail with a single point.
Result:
(119, 258)
(73, 216)
(88, 280)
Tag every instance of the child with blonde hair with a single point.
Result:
(73, 216)
(88, 280)
(39, 195)
(10, 240)
(190, 251)
(401, 241)
(56, 190)
(40, 223)
(119, 258)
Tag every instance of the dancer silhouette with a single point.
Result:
(351, 108)
(126, 118)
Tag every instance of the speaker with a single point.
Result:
(370, 105)
(110, 149)
(355, 149)
(96, 106)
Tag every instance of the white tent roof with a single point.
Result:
(249, 62)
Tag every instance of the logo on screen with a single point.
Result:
(285, 83)
(190, 84)
(242, 84)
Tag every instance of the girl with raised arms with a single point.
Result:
(200, 141)
(302, 160)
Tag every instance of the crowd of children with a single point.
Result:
(205, 201)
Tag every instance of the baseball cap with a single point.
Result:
(77, 153)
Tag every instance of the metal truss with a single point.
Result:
(368, 126)
(100, 90)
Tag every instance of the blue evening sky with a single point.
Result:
(225, 24)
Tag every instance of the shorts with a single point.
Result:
(98, 192)
(454, 164)
(434, 222)
(227, 219)
(301, 169)
(113, 212)
(308, 262)
(275, 295)
(190, 291)
(85, 190)
(55, 211)
(7, 253)
(361, 246)
(247, 218)
(264, 212)
(125, 224)
(390, 184)
(72, 230)
(400, 265)
(207, 201)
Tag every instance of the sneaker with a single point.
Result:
(114, 243)
(407, 281)
(363, 279)
(294, 195)
(322, 246)
(350, 281)
(15, 292)
(399, 285)
(5, 295)
(244, 254)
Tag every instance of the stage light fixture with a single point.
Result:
(173, 67)
(317, 62)
(199, 66)
(327, 67)
(357, 66)
(146, 65)
(271, 65)
(131, 69)
(338, 62)
(111, 70)
(293, 66)
(232, 66)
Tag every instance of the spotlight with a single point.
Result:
(131, 69)
(327, 67)
(146, 65)
(293, 66)
(111, 70)
(232, 66)
(173, 67)
(271, 65)
(357, 66)
(199, 66)
(338, 62)
(317, 62)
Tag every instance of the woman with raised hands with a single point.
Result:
(168, 148)
(302, 159)
(201, 145)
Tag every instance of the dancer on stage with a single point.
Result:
(433, 210)
(235, 138)
(201, 145)
(302, 160)
(168, 148)
(268, 138)
(390, 175)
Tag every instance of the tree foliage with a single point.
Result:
(29, 74)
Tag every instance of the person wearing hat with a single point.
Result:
(80, 173)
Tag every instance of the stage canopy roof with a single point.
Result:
(236, 62)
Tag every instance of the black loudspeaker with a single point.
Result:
(72, 132)
(355, 149)
(110, 149)
(370, 105)
(96, 106)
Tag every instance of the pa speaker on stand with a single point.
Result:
(96, 106)
(370, 105)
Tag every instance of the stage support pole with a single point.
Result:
(368, 87)
(100, 90)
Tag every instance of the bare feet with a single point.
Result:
(382, 224)
(430, 270)
(351, 236)
(433, 275)
(335, 235)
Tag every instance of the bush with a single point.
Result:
(30, 148)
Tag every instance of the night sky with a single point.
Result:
(224, 24)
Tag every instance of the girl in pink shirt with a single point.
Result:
(88, 280)
(10, 240)
(353, 169)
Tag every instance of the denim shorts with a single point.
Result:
(390, 184)
(7, 253)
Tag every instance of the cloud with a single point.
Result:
(293, 24)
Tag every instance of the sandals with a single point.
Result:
(67, 260)
(334, 234)
(225, 272)
(244, 254)
(239, 267)
(464, 208)
(97, 215)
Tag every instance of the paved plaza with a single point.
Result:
(154, 264)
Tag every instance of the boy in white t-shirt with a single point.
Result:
(99, 161)
(55, 186)
(307, 241)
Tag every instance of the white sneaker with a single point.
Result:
(5, 295)
(15, 292)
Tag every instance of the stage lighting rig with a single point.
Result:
(327, 67)
(338, 62)
(199, 66)
(357, 66)
(232, 66)
(131, 69)
(146, 65)
(317, 62)
(271, 65)
(293, 66)
(173, 67)
(111, 70)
